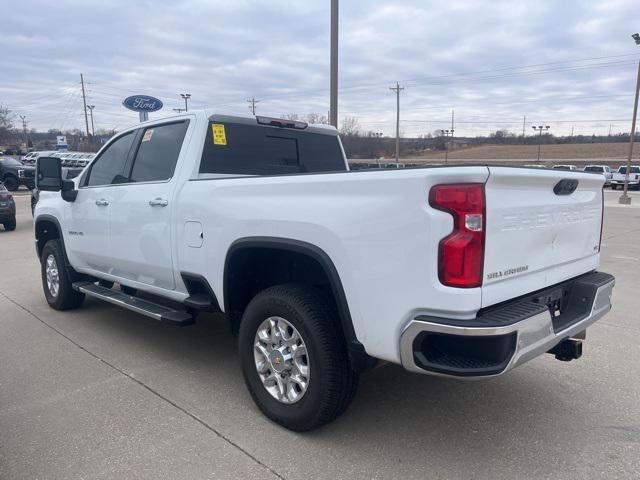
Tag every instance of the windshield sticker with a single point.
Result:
(219, 135)
(147, 135)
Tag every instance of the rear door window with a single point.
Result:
(234, 148)
(158, 152)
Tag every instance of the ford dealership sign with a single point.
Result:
(142, 103)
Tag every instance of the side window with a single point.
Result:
(158, 153)
(109, 168)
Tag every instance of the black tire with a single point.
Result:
(332, 381)
(67, 298)
(10, 224)
(11, 183)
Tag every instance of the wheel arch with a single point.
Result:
(359, 359)
(47, 227)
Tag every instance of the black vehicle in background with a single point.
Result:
(7, 209)
(13, 174)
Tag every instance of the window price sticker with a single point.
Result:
(219, 135)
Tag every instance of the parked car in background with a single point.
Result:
(13, 174)
(7, 209)
(31, 157)
(619, 177)
(603, 170)
(565, 167)
(535, 166)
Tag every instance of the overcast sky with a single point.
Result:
(565, 63)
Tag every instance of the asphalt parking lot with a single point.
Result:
(101, 392)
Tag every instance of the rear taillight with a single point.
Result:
(461, 253)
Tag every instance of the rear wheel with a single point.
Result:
(294, 358)
(56, 281)
(10, 224)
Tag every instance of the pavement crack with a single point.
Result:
(193, 416)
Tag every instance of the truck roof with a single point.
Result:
(212, 115)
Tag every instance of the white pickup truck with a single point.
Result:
(619, 177)
(463, 272)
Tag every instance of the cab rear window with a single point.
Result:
(234, 148)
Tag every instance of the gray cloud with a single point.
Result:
(225, 51)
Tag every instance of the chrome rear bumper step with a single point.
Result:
(135, 304)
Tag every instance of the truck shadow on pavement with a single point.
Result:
(395, 412)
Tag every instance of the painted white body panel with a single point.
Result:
(376, 227)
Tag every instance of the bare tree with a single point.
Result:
(6, 126)
(350, 126)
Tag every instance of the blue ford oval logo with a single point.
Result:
(142, 103)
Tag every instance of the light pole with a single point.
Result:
(186, 97)
(446, 133)
(178, 110)
(540, 128)
(625, 199)
(91, 107)
(333, 66)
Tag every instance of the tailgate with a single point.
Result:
(535, 236)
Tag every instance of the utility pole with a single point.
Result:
(333, 82)
(91, 107)
(452, 111)
(178, 110)
(397, 89)
(625, 199)
(446, 133)
(24, 132)
(84, 102)
(609, 129)
(524, 123)
(186, 97)
(540, 128)
(253, 102)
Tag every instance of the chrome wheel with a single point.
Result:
(281, 360)
(51, 272)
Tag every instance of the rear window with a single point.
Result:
(256, 150)
(631, 170)
(594, 169)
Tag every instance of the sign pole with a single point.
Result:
(144, 116)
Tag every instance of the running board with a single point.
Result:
(135, 304)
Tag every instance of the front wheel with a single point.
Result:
(11, 183)
(56, 281)
(294, 358)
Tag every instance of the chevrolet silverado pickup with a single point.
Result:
(619, 177)
(455, 271)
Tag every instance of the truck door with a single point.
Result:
(88, 217)
(142, 210)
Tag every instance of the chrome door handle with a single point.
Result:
(102, 202)
(158, 202)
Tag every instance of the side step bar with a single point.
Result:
(135, 304)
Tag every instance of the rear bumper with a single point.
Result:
(503, 337)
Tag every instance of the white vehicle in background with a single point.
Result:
(603, 170)
(619, 177)
(537, 165)
(572, 168)
(455, 271)
(31, 157)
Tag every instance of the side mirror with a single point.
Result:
(49, 174)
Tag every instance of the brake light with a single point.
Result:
(281, 122)
(461, 253)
